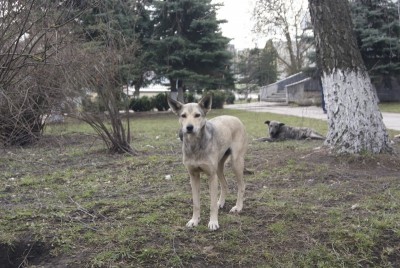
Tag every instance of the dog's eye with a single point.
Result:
(183, 115)
(197, 115)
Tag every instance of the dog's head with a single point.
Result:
(274, 128)
(192, 116)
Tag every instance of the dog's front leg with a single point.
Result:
(195, 183)
(213, 184)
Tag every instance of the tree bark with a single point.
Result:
(355, 122)
(177, 89)
(174, 90)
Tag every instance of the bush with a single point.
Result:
(230, 97)
(142, 104)
(218, 99)
(190, 97)
(94, 105)
(160, 102)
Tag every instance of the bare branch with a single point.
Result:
(30, 80)
(283, 20)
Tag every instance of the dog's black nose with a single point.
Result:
(189, 128)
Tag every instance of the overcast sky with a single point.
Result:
(238, 13)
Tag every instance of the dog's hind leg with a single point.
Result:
(238, 167)
(195, 183)
(222, 181)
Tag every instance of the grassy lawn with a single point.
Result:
(65, 202)
(390, 107)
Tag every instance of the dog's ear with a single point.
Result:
(281, 124)
(267, 122)
(205, 103)
(175, 106)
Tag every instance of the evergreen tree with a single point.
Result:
(189, 46)
(258, 66)
(377, 28)
(124, 26)
(268, 65)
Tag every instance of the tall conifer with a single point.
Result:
(189, 45)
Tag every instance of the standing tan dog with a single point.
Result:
(207, 144)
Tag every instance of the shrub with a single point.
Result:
(93, 105)
(218, 99)
(230, 97)
(142, 104)
(190, 97)
(305, 102)
(160, 102)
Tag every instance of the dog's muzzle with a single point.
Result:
(189, 128)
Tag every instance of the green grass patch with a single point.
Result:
(389, 107)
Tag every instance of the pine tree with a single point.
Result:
(268, 64)
(377, 28)
(258, 66)
(124, 26)
(189, 46)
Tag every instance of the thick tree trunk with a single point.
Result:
(177, 89)
(355, 122)
(174, 90)
(181, 97)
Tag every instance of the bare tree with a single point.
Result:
(285, 22)
(355, 122)
(99, 75)
(107, 50)
(31, 38)
(43, 66)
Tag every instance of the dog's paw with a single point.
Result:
(192, 223)
(221, 204)
(213, 225)
(236, 209)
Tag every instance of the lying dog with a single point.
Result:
(206, 146)
(279, 131)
